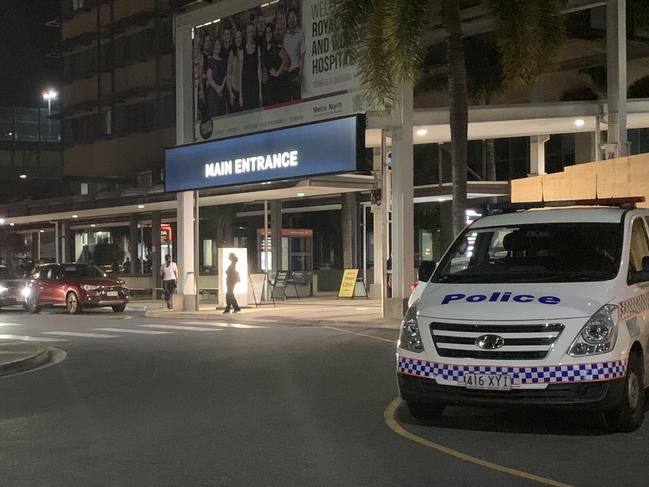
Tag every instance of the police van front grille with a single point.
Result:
(502, 342)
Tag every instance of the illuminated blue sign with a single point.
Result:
(331, 147)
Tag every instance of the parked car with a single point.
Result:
(12, 288)
(75, 286)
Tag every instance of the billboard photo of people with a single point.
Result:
(251, 60)
(248, 65)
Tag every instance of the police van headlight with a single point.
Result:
(598, 335)
(410, 338)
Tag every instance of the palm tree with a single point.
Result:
(387, 40)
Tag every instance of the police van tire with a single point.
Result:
(425, 411)
(630, 414)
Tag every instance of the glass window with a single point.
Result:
(639, 246)
(83, 270)
(558, 252)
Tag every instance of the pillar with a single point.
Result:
(403, 261)
(133, 239)
(155, 253)
(67, 242)
(616, 77)
(537, 154)
(585, 147)
(36, 246)
(350, 230)
(186, 278)
(276, 235)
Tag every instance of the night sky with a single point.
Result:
(25, 41)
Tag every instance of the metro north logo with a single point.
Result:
(499, 297)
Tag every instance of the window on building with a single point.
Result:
(78, 4)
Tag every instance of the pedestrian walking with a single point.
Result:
(231, 280)
(169, 280)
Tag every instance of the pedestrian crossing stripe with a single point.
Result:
(26, 338)
(79, 334)
(180, 327)
(138, 332)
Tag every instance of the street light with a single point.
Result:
(48, 96)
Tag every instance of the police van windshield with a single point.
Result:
(557, 252)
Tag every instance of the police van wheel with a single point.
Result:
(425, 411)
(630, 414)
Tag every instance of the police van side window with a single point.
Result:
(639, 245)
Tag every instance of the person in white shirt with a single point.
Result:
(294, 45)
(169, 273)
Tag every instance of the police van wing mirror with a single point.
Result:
(638, 276)
(426, 269)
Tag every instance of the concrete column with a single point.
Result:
(376, 289)
(186, 277)
(133, 239)
(155, 252)
(67, 242)
(446, 225)
(616, 76)
(585, 147)
(36, 246)
(537, 154)
(349, 230)
(403, 261)
(276, 235)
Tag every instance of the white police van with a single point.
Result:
(535, 307)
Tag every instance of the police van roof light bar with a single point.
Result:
(624, 203)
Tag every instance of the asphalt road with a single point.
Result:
(141, 402)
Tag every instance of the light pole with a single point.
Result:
(48, 96)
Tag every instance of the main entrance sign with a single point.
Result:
(331, 147)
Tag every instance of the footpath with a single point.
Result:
(19, 356)
(313, 311)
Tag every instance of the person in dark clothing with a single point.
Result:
(231, 280)
(250, 72)
(216, 79)
(275, 62)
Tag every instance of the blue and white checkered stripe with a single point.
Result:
(546, 374)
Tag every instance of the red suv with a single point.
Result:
(75, 286)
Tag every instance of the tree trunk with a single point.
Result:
(491, 160)
(459, 110)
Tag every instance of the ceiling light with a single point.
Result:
(422, 132)
(2, 221)
(140, 206)
(23, 176)
(580, 122)
(300, 194)
(11, 224)
(75, 216)
(93, 225)
(42, 231)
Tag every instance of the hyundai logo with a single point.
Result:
(490, 342)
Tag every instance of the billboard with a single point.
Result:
(271, 66)
(329, 147)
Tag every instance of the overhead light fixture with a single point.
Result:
(2, 221)
(11, 224)
(300, 194)
(42, 231)
(422, 132)
(580, 122)
(140, 206)
(93, 225)
(23, 176)
(75, 216)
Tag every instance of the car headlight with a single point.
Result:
(410, 338)
(598, 335)
(89, 287)
(25, 292)
(3, 289)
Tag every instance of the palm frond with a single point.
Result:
(528, 35)
(384, 37)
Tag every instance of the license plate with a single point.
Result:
(112, 294)
(490, 382)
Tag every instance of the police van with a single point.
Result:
(535, 306)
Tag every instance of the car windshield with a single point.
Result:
(83, 270)
(557, 252)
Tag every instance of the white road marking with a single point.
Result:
(11, 324)
(220, 324)
(79, 334)
(25, 338)
(180, 327)
(139, 332)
